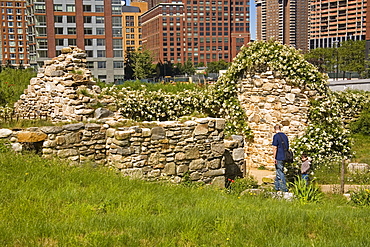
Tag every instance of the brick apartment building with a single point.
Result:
(13, 45)
(337, 21)
(196, 30)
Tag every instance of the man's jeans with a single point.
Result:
(280, 182)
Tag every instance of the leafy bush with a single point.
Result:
(361, 197)
(306, 193)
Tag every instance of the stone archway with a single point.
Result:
(274, 85)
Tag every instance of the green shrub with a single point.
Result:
(306, 193)
(361, 197)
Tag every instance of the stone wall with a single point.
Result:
(61, 91)
(167, 150)
(267, 101)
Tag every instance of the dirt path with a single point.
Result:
(259, 174)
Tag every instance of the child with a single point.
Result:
(305, 167)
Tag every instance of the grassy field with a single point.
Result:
(331, 175)
(48, 203)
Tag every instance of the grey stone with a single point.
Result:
(197, 164)
(218, 182)
(158, 133)
(170, 169)
(214, 163)
(218, 149)
(238, 154)
(181, 169)
(192, 153)
(72, 127)
(64, 153)
(358, 167)
(102, 113)
(201, 129)
(214, 173)
(51, 129)
(17, 147)
(92, 126)
(195, 176)
(5, 133)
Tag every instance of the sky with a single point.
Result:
(252, 19)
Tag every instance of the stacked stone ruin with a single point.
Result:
(61, 91)
(171, 150)
(269, 100)
(64, 90)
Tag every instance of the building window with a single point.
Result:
(118, 64)
(58, 30)
(100, 31)
(71, 30)
(42, 43)
(102, 77)
(71, 19)
(72, 42)
(102, 65)
(116, 21)
(117, 43)
(117, 53)
(99, 19)
(116, 10)
(87, 8)
(59, 42)
(99, 8)
(100, 53)
(88, 42)
(89, 53)
(117, 32)
(87, 19)
(57, 18)
(43, 54)
(87, 30)
(40, 31)
(71, 8)
(100, 42)
(90, 65)
(58, 7)
(40, 8)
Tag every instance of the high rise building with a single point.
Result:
(131, 25)
(196, 30)
(283, 20)
(94, 26)
(337, 21)
(13, 45)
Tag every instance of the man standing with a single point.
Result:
(279, 141)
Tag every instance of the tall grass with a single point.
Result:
(12, 84)
(50, 203)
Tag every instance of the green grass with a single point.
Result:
(361, 148)
(49, 203)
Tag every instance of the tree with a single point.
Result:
(140, 64)
(349, 56)
(215, 67)
(352, 56)
(188, 68)
(323, 58)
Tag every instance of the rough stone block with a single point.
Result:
(31, 136)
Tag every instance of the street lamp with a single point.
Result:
(336, 42)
